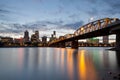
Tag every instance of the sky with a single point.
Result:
(63, 16)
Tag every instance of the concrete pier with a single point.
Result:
(117, 40)
(62, 45)
(74, 44)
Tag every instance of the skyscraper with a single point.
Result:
(44, 39)
(54, 33)
(26, 36)
(37, 35)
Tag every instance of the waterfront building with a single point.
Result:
(18, 41)
(53, 36)
(6, 39)
(44, 39)
(26, 36)
(54, 33)
(93, 40)
(37, 35)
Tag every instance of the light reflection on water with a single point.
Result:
(57, 63)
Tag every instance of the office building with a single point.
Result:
(26, 36)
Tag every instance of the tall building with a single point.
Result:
(106, 39)
(44, 39)
(33, 38)
(26, 36)
(54, 33)
(37, 36)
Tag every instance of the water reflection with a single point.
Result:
(58, 64)
(86, 69)
(70, 63)
(20, 58)
(81, 65)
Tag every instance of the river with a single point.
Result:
(86, 63)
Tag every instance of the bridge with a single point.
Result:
(102, 27)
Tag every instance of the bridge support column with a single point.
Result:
(118, 40)
(54, 45)
(105, 39)
(75, 44)
(62, 45)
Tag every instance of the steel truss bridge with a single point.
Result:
(102, 27)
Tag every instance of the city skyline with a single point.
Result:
(52, 15)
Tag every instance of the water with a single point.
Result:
(58, 64)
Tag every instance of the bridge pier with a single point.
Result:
(75, 44)
(117, 40)
(62, 45)
(117, 32)
(54, 45)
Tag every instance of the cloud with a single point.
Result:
(99, 7)
(10, 14)
(75, 25)
(4, 11)
(114, 6)
(43, 26)
(6, 16)
(73, 16)
(93, 12)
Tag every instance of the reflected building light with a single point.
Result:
(20, 58)
(86, 69)
(82, 65)
(62, 62)
(70, 63)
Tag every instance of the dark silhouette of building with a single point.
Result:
(35, 37)
(53, 36)
(26, 36)
(44, 40)
(54, 33)
(6, 41)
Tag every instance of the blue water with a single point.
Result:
(86, 63)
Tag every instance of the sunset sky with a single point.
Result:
(64, 16)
